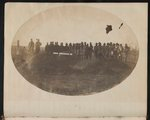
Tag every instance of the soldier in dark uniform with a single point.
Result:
(51, 48)
(90, 51)
(107, 50)
(70, 48)
(56, 48)
(37, 46)
(31, 47)
(46, 48)
(96, 50)
(109, 47)
(78, 49)
(66, 48)
(104, 50)
(110, 50)
(126, 50)
(61, 47)
(120, 52)
(87, 51)
(99, 53)
(82, 51)
(73, 48)
(115, 54)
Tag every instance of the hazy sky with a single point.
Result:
(75, 24)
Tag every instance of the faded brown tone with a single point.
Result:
(82, 71)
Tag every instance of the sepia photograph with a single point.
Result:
(75, 50)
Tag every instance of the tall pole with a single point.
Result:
(18, 43)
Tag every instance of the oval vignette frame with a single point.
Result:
(71, 24)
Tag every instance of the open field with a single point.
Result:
(69, 75)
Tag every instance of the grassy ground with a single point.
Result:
(69, 75)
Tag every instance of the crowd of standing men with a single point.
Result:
(84, 50)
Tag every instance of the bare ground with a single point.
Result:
(69, 75)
